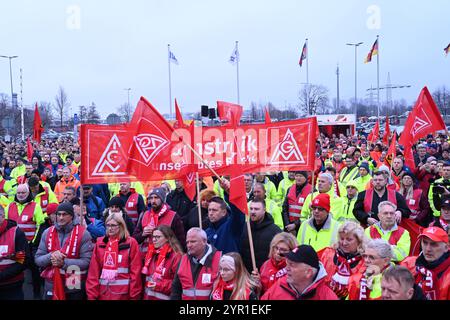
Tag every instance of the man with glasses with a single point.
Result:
(321, 230)
(65, 252)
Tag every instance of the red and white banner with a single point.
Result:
(147, 149)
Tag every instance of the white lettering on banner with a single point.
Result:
(287, 151)
(420, 124)
(110, 158)
(149, 146)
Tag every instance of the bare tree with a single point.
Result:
(62, 104)
(442, 98)
(313, 100)
(125, 111)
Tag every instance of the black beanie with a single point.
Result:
(66, 207)
(116, 201)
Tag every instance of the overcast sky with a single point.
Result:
(95, 49)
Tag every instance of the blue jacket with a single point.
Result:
(94, 208)
(225, 234)
(95, 227)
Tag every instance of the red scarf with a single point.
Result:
(442, 221)
(154, 217)
(339, 281)
(217, 293)
(364, 289)
(70, 249)
(159, 265)
(276, 271)
(428, 279)
(110, 260)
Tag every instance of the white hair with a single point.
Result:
(327, 176)
(386, 203)
(382, 247)
(199, 231)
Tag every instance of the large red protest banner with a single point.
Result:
(125, 152)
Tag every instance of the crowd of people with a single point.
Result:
(361, 226)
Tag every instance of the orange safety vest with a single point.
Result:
(201, 290)
(369, 198)
(296, 203)
(8, 244)
(25, 220)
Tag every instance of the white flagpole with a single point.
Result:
(307, 75)
(237, 71)
(378, 77)
(170, 82)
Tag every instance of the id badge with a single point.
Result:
(206, 278)
(301, 200)
(412, 202)
(24, 218)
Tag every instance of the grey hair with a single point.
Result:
(382, 247)
(199, 231)
(327, 176)
(386, 203)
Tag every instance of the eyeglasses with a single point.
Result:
(281, 250)
(111, 226)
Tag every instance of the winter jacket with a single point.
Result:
(191, 220)
(262, 234)
(62, 184)
(128, 285)
(318, 290)
(42, 257)
(94, 206)
(179, 202)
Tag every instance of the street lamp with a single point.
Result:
(356, 45)
(10, 75)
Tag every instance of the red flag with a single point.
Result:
(37, 125)
(29, 149)
(267, 116)
(179, 123)
(425, 118)
(414, 231)
(227, 111)
(409, 158)
(392, 149)
(387, 132)
(375, 134)
(190, 181)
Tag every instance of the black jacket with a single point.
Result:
(362, 216)
(21, 245)
(191, 219)
(262, 234)
(179, 202)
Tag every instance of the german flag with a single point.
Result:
(373, 51)
(447, 50)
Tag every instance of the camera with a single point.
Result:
(440, 187)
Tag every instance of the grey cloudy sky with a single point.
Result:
(95, 49)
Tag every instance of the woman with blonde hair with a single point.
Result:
(275, 267)
(234, 281)
(344, 258)
(115, 268)
(160, 264)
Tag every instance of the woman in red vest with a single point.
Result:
(344, 258)
(416, 199)
(275, 267)
(115, 268)
(234, 281)
(160, 264)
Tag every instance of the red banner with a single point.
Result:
(147, 152)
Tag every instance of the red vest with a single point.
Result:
(369, 198)
(44, 200)
(8, 245)
(393, 239)
(25, 220)
(201, 290)
(354, 287)
(132, 207)
(413, 203)
(296, 203)
(165, 219)
(70, 255)
(2, 186)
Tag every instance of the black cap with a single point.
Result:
(66, 207)
(116, 201)
(304, 254)
(33, 181)
(87, 186)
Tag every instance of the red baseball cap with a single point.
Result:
(436, 234)
(322, 200)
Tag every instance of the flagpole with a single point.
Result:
(250, 240)
(378, 77)
(170, 82)
(307, 75)
(198, 202)
(237, 72)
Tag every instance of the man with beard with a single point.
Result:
(259, 192)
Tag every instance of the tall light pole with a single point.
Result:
(356, 45)
(128, 89)
(10, 75)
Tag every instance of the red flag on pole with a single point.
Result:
(387, 132)
(37, 125)
(29, 149)
(229, 111)
(425, 118)
(375, 134)
(267, 116)
(392, 151)
(179, 123)
(409, 157)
